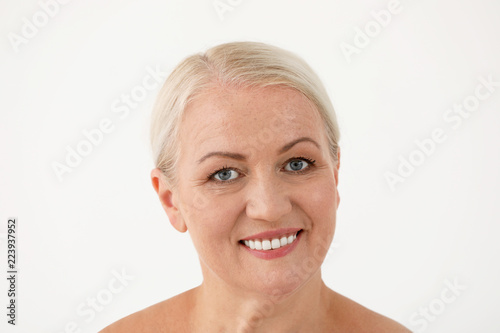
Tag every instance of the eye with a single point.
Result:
(298, 164)
(225, 175)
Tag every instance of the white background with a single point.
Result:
(393, 250)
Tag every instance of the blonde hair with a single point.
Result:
(236, 64)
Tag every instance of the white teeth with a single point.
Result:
(275, 243)
(268, 244)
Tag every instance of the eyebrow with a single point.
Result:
(235, 156)
(288, 146)
(241, 157)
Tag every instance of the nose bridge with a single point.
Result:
(267, 197)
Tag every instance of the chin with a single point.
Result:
(283, 283)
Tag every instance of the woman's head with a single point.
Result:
(246, 160)
(231, 65)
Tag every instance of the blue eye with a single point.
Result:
(298, 164)
(226, 174)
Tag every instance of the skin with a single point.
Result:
(272, 129)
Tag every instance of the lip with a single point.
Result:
(277, 253)
(273, 233)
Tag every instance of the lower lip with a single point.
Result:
(273, 254)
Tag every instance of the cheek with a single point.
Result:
(319, 202)
(210, 218)
(321, 197)
(320, 206)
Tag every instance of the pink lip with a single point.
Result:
(273, 234)
(277, 253)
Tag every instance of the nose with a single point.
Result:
(267, 199)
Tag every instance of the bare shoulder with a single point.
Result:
(359, 319)
(170, 315)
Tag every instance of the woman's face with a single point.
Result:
(255, 172)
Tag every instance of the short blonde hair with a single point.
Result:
(236, 64)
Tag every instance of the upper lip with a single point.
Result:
(273, 233)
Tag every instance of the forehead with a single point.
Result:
(230, 119)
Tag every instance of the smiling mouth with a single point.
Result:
(271, 243)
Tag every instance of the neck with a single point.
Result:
(226, 308)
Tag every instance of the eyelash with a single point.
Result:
(309, 161)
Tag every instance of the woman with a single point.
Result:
(246, 147)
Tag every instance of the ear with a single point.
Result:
(336, 175)
(168, 200)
